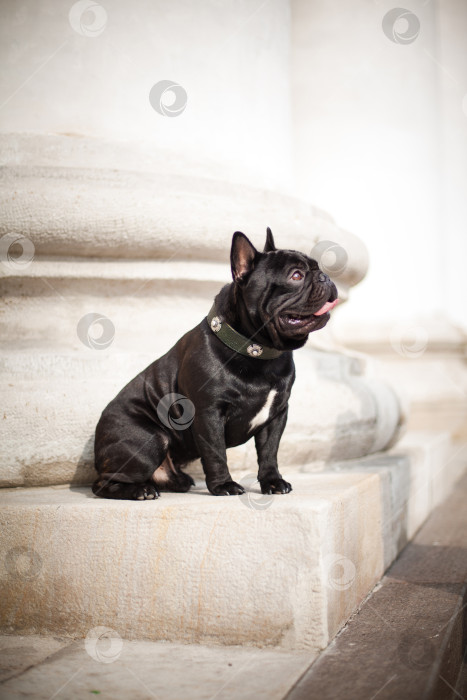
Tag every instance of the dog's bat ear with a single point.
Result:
(269, 245)
(242, 256)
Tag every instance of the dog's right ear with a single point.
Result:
(243, 255)
(269, 245)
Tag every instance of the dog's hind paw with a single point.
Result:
(275, 486)
(130, 492)
(146, 492)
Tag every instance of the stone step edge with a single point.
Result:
(408, 634)
(380, 505)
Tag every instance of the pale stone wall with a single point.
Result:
(380, 132)
(93, 72)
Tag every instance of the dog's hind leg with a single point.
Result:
(126, 458)
(168, 477)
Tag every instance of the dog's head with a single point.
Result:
(282, 295)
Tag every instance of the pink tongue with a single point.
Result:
(326, 307)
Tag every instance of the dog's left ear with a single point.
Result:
(269, 245)
(242, 256)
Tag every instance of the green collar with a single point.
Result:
(237, 341)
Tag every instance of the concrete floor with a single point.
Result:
(47, 667)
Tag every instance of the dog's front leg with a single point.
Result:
(267, 444)
(209, 437)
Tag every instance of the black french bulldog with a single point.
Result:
(223, 382)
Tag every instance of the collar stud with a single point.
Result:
(216, 324)
(254, 350)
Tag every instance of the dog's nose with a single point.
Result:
(322, 277)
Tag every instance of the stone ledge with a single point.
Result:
(277, 571)
(409, 636)
(96, 199)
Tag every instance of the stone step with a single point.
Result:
(406, 648)
(282, 571)
(43, 668)
(409, 635)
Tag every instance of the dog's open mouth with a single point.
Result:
(298, 320)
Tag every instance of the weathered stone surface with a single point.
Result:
(18, 654)
(408, 638)
(188, 567)
(144, 670)
(284, 571)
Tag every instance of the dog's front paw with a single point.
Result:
(275, 486)
(228, 488)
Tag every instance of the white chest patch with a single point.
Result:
(263, 415)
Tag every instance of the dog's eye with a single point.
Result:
(297, 276)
